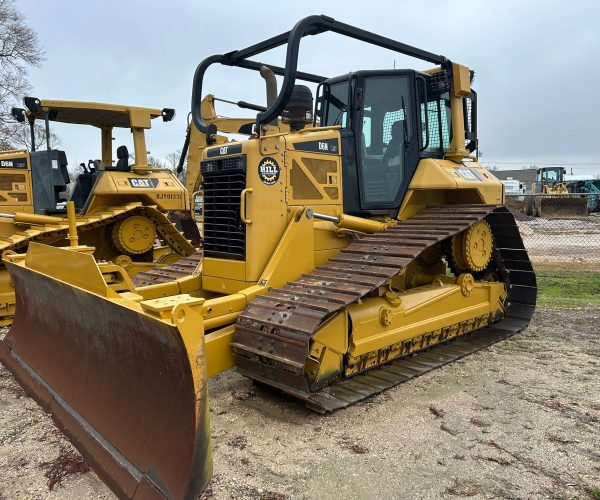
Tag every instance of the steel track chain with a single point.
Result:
(272, 336)
(173, 238)
(186, 266)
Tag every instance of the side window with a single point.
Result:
(336, 104)
(439, 123)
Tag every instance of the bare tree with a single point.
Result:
(18, 136)
(19, 49)
(153, 161)
(173, 158)
(173, 162)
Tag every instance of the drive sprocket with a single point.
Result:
(471, 250)
(134, 235)
(478, 244)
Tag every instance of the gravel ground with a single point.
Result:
(518, 420)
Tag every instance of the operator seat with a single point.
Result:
(122, 159)
(394, 147)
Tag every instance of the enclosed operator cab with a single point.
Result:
(385, 131)
(550, 176)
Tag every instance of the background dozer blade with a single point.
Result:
(563, 206)
(127, 389)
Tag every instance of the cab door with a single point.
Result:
(386, 137)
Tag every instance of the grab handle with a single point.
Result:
(243, 205)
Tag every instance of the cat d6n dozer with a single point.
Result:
(120, 207)
(362, 248)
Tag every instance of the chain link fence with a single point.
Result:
(562, 237)
(561, 231)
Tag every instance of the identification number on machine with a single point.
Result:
(14, 163)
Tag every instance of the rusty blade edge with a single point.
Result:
(110, 464)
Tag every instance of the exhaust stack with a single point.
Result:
(271, 85)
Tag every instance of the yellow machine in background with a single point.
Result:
(552, 198)
(358, 249)
(120, 206)
(551, 180)
(196, 141)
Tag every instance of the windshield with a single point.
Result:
(550, 176)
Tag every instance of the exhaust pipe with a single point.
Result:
(271, 84)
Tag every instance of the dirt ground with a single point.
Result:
(518, 420)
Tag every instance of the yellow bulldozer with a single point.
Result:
(119, 207)
(361, 248)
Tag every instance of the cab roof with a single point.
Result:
(98, 114)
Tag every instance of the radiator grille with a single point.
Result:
(223, 182)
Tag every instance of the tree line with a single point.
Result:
(20, 50)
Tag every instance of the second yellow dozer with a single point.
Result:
(120, 207)
(362, 248)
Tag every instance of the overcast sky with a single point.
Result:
(536, 63)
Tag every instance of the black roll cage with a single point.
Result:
(311, 25)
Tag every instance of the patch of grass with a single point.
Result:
(568, 289)
(594, 493)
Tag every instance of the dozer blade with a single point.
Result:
(563, 206)
(128, 390)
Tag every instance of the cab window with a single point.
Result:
(336, 104)
(384, 137)
(439, 121)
